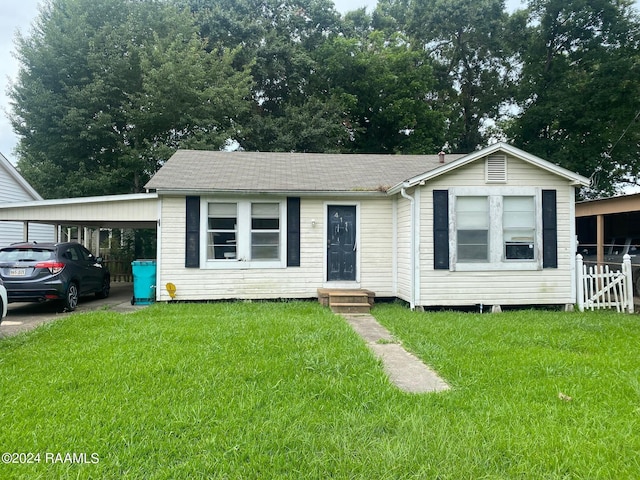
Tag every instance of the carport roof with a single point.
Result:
(138, 210)
(608, 206)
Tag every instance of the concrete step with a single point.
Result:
(338, 307)
(324, 295)
(346, 300)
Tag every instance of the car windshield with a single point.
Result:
(25, 255)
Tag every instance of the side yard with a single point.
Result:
(288, 390)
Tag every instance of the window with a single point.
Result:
(265, 231)
(222, 231)
(495, 229)
(242, 232)
(472, 222)
(519, 228)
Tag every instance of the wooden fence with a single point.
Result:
(599, 286)
(120, 270)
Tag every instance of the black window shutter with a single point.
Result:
(192, 242)
(441, 229)
(293, 232)
(549, 230)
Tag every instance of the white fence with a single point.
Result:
(601, 287)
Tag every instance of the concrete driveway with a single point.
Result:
(26, 316)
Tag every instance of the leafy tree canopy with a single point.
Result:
(108, 89)
(580, 89)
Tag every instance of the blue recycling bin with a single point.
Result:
(144, 282)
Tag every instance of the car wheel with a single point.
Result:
(106, 288)
(637, 292)
(70, 301)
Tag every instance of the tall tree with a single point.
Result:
(106, 90)
(279, 39)
(580, 89)
(466, 41)
(386, 90)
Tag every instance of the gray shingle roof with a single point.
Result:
(200, 170)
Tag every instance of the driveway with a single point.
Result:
(26, 316)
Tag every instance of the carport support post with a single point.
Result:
(600, 239)
(25, 231)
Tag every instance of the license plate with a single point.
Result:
(17, 272)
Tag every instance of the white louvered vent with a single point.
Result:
(496, 170)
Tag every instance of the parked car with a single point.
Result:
(614, 252)
(63, 272)
(3, 301)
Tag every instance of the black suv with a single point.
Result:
(36, 272)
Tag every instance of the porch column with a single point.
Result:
(25, 231)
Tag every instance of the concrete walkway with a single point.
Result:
(405, 370)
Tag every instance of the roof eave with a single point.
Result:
(80, 200)
(281, 193)
(11, 170)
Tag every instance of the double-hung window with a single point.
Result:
(222, 231)
(519, 227)
(245, 233)
(472, 222)
(265, 231)
(499, 228)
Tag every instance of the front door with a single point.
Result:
(341, 243)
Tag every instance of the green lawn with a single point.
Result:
(287, 390)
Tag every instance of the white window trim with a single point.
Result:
(496, 262)
(243, 239)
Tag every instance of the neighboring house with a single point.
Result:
(495, 227)
(14, 188)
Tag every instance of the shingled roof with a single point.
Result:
(210, 171)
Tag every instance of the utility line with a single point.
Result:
(624, 133)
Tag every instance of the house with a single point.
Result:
(495, 227)
(14, 188)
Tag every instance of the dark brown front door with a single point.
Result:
(341, 243)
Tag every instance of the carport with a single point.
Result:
(134, 211)
(599, 221)
(139, 210)
(87, 214)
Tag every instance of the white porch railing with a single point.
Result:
(601, 287)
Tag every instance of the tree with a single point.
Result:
(385, 88)
(278, 41)
(103, 98)
(580, 89)
(467, 43)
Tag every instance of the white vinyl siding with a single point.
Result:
(11, 232)
(500, 287)
(404, 249)
(376, 239)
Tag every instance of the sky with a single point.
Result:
(18, 16)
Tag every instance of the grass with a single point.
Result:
(287, 390)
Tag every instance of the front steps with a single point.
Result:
(346, 300)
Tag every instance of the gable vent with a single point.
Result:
(496, 170)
